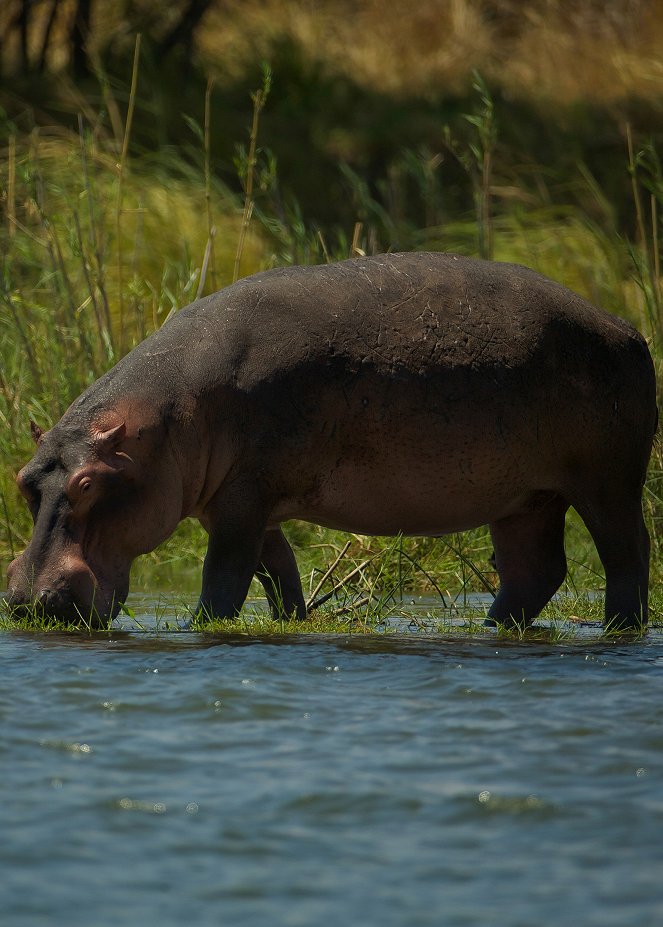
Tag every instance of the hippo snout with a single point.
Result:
(45, 602)
(70, 595)
(50, 603)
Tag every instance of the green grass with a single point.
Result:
(569, 620)
(98, 246)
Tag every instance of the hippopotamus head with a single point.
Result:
(100, 493)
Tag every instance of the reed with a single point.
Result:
(84, 236)
(119, 208)
(247, 168)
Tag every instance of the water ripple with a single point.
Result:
(393, 780)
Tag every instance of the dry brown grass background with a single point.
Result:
(550, 49)
(600, 50)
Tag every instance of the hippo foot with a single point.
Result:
(624, 626)
(508, 624)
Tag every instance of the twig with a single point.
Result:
(340, 584)
(323, 244)
(360, 604)
(95, 239)
(355, 250)
(211, 230)
(327, 574)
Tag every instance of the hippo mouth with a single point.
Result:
(75, 598)
(61, 607)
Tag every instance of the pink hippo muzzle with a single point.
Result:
(72, 593)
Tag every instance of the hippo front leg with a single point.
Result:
(229, 566)
(278, 573)
(236, 524)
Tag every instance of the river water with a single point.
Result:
(156, 778)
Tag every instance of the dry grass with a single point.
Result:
(46, 178)
(601, 50)
(432, 46)
(597, 50)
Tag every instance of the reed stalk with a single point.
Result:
(11, 187)
(120, 191)
(259, 99)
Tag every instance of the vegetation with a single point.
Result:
(573, 619)
(149, 159)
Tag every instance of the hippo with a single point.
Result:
(414, 394)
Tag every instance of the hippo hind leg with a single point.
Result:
(617, 527)
(279, 576)
(530, 561)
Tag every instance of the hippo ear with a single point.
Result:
(107, 441)
(36, 432)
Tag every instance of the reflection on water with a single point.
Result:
(394, 779)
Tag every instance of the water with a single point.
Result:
(156, 778)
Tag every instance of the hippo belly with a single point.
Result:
(415, 487)
(417, 461)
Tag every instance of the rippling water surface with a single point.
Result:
(164, 778)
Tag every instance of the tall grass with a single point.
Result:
(95, 252)
(99, 246)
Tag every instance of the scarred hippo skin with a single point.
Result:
(413, 393)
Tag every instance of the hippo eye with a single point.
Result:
(77, 487)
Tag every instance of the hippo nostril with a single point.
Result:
(46, 602)
(57, 602)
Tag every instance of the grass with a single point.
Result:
(95, 253)
(568, 620)
(548, 49)
(101, 239)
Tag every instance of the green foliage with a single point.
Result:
(99, 243)
(95, 253)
